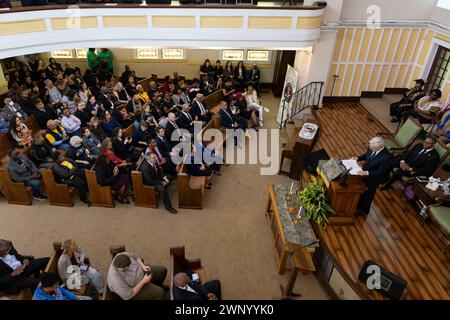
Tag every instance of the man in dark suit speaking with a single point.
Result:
(375, 171)
(420, 160)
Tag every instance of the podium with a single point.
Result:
(297, 148)
(344, 200)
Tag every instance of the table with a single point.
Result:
(298, 147)
(287, 235)
(428, 196)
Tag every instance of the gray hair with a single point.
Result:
(377, 142)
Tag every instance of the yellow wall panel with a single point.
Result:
(424, 51)
(365, 45)
(173, 22)
(446, 93)
(330, 79)
(340, 72)
(347, 43)
(373, 81)
(125, 21)
(65, 23)
(391, 77)
(356, 42)
(383, 45)
(410, 47)
(419, 43)
(221, 22)
(358, 74)
(347, 79)
(366, 79)
(392, 45)
(401, 74)
(339, 43)
(415, 75)
(383, 77)
(7, 28)
(402, 45)
(270, 22)
(309, 22)
(374, 45)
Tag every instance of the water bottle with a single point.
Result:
(423, 211)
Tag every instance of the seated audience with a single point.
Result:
(109, 123)
(84, 93)
(253, 103)
(218, 71)
(73, 255)
(207, 69)
(82, 114)
(68, 101)
(16, 271)
(108, 174)
(164, 146)
(96, 129)
(123, 146)
(79, 154)
(420, 160)
(172, 129)
(93, 108)
(70, 123)
(43, 114)
(122, 116)
(153, 175)
(198, 111)
(443, 126)
(56, 136)
(143, 96)
(198, 168)
(185, 120)
(53, 92)
(427, 108)
(240, 75)
(105, 100)
(13, 108)
(180, 98)
(130, 278)
(185, 289)
(22, 169)
(254, 77)
(143, 134)
(49, 289)
(121, 94)
(5, 119)
(40, 153)
(20, 133)
(407, 102)
(27, 104)
(90, 142)
(131, 87)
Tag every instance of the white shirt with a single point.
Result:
(251, 98)
(425, 105)
(70, 123)
(11, 261)
(187, 288)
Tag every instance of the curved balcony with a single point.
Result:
(26, 30)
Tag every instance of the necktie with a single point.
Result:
(158, 154)
(188, 115)
(202, 108)
(226, 111)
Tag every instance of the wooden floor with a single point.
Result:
(391, 234)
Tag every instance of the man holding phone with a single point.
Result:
(130, 278)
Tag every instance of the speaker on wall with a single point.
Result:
(388, 284)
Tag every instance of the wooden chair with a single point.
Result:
(404, 137)
(190, 189)
(108, 294)
(439, 214)
(15, 192)
(179, 263)
(144, 196)
(99, 196)
(58, 194)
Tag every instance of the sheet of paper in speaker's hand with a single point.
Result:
(352, 165)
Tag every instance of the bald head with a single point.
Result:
(171, 116)
(181, 279)
(5, 245)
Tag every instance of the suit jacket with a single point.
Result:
(164, 147)
(181, 294)
(168, 133)
(107, 103)
(64, 174)
(196, 111)
(226, 119)
(378, 166)
(423, 164)
(5, 271)
(42, 116)
(151, 177)
(184, 121)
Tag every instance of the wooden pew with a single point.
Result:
(99, 196)
(128, 132)
(58, 194)
(108, 294)
(144, 196)
(190, 189)
(179, 263)
(212, 101)
(15, 192)
(145, 83)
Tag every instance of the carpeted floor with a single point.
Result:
(230, 234)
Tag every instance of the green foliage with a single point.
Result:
(313, 199)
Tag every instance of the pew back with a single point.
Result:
(144, 196)
(108, 294)
(99, 196)
(212, 101)
(58, 194)
(190, 189)
(15, 192)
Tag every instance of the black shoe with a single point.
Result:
(172, 210)
(86, 201)
(40, 197)
(217, 173)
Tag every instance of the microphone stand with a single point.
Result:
(288, 292)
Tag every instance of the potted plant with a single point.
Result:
(314, 201)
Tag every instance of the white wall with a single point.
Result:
(189, 68)
(441, 16)
(390, 9)
(332, 11)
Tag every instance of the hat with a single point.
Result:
(75, 141)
